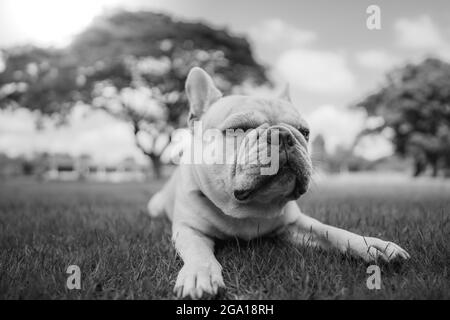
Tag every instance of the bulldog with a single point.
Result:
(245, 199)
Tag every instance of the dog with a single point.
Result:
(205, 202)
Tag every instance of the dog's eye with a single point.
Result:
(238, 129)
(305, 133)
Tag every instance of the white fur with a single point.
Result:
(198, 200)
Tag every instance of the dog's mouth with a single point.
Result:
(246, 195)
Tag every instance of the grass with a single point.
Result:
(104, 229)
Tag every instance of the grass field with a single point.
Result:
(104, 229)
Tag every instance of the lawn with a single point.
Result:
(122, 254)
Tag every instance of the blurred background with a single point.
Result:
(93, 90)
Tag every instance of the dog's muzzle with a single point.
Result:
(293, 159)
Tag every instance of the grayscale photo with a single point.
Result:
(224, 151)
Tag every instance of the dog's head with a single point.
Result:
(259, 149)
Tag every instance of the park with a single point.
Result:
(87, 130)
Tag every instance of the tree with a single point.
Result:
(132, 65)
(414, 105)
(39, 79)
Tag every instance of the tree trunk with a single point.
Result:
(435, 167)
(419, 167)
(155, 158)
(156, 165)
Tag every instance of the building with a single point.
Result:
(64, 167)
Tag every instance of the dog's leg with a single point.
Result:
(201, 273)
(308, 231)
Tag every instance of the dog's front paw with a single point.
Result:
(372, 249)
(197, 281)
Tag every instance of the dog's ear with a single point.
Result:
(201, 93)
(285, 94)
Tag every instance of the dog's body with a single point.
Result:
(201, 214)
(218, 201)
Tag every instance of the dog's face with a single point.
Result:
(263, 144)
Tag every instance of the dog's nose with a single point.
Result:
(241, 195)
(285, 138)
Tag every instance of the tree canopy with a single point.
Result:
(132, 65)
(414, 105)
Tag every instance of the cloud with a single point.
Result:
(277, 31)
(2, 62)
(422, 38)
(322, 72)
(271, 37)
(338, 126)
(96, 133)
(374, 147)
(418, 33)
(376, 59)
(23, 21)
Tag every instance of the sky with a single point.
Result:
(323, 49)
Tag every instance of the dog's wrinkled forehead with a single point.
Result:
(249, 112)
